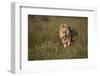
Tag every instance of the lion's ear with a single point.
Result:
(66, 25)
(61, 26)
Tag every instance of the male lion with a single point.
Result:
(65, 35)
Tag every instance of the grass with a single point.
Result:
(44, 42)
(55, 52)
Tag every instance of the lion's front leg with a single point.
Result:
(65, 45)
(69, 43)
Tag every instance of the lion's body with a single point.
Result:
(65, 35)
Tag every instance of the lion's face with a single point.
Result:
(63, 28)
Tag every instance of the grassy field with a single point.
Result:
(44, 42)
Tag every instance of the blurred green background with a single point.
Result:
(44, 42)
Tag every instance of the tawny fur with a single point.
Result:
(65, 35)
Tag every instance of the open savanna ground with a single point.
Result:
(44, 42)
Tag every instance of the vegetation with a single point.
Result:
(44, 42)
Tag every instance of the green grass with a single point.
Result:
(44, 42)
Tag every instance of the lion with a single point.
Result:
(65, 35)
